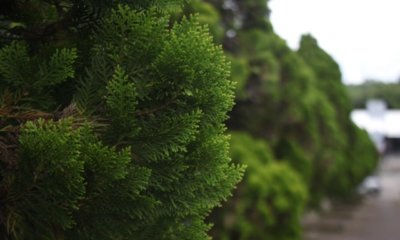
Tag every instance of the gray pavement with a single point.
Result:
(377, 218)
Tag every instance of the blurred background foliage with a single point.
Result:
(291, 125)
(389, 92)
(269, 201)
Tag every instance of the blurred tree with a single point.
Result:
(349, 169)
(296, 106)
(328, 74)
(389, 92)
(293, 100)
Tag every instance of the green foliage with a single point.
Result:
(48, 184)
(361, 160)
(346, 139)
(30, 78)
(327, 150)
(239, 74)
(255, 14)
(135, 148)
(286, 88)
(207, 15)
(365, 156)
(121, 101)
(360, 94)
(255, 152)
(293, 100)
(264, 51)
(268, 202)
(292, 153)
(328, 73)
(64, 176)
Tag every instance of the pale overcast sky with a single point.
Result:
(363, 36)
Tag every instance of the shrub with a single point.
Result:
(268, 203)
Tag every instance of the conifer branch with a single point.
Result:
(157, 109)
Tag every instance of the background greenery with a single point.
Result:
(113, 122)
(389, 92)
(293, 105)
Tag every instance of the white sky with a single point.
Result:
(363, 36)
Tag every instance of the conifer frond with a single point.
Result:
(162, 136)
(28, 78)
(121, 101)
(51, 167)
(58, 69)
(14, 64)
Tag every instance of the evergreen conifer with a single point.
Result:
(111, 121)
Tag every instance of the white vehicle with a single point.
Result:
(370, 185)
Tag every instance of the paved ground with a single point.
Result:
(377, 218)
